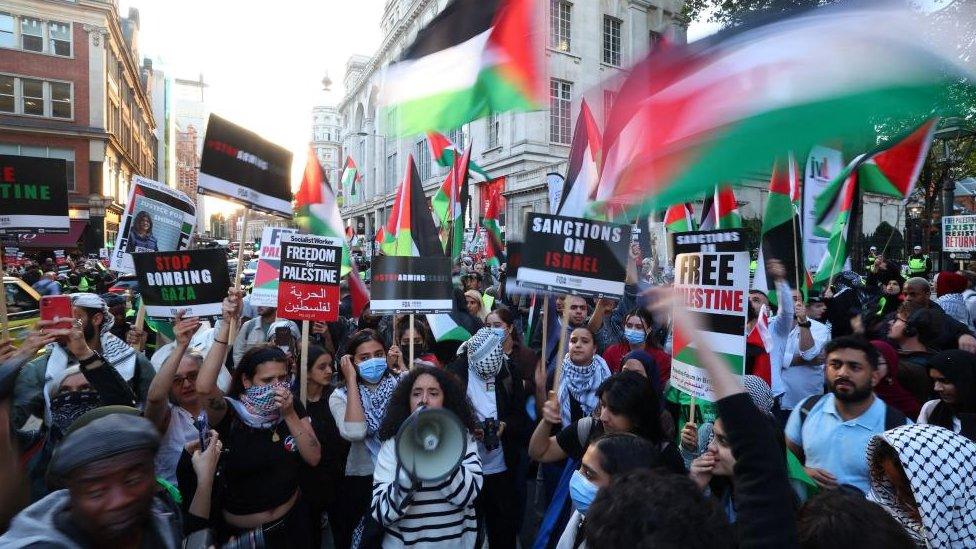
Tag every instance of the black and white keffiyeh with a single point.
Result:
(374, 401)
(581, 382)
(485, 354)
(941, 467)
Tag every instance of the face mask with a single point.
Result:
(581, 491)
(260, 399)
(67, 407)
(372, 370)
(500, 332)
(633, 336)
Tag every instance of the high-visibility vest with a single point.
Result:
(487, 301)
(870, 262)
(752, 266)
(916, 265)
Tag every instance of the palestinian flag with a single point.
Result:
(350, 176)
(679, 218)
(449, 203)
(583, 173)
(494, 205)
(891, 171)
(846, 209)
(725, 106)
(445, 327)
(444, 152)
(720, 210)
(475, 58)
(782, 235)
(411, 231)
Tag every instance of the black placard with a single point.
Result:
(192, 280)
(239, 165)
(411, 285)
(33, 195)
(573, 255)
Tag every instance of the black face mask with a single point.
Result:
(67, 407)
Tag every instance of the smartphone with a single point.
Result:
(203, 425)
(57, 306)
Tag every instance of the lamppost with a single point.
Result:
(97, 206)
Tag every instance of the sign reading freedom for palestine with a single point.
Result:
(411, 285)
(308, 287)
(33, 195)
(573, 255)
(711, 273)
(959, 233)
(265, 291)
(239, 165)
(192, 280)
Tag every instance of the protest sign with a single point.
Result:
(192, 280)
(711, 274)
(309, 286)
(823, 165)
(411, 285)
(12, 256)
(574, 255)
(59, 258)
(157, 219)
(265, 291)
(959, 233)
(33, 195)
(239, 165)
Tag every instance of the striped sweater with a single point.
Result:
(438, 515)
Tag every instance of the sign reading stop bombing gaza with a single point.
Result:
(711, 275)
(194, 281)
(572, 255)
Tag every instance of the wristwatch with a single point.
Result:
(95, 357)
(804, 324)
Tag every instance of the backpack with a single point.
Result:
(893, 416)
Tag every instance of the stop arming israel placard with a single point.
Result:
(402, 284)
(959, 233)
(194, 281)
(711, 275)
(573, 255)
(265, 291)
(309, 278)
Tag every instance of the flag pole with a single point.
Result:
(412, 336)
(562, 345)
(833, 265)
(796, 252)
(140, 322)
(303, 372)
(237, 275)
(893, 229)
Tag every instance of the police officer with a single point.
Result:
(919, 264)
(872, 257)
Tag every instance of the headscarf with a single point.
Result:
(649, 364)
(292, 327)
(959, 368)
(888, 389)
(485, 354)
(581, 383)
(375, 400)
(115, 352)
(475, 294)
(941, 470)
(949, 283)
(759, 391)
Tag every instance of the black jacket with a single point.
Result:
(510, 400)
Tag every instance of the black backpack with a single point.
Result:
(893, 416)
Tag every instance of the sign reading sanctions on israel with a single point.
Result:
(959, 233)
(309, 278)
(711, 274)
(573, 255)
(195, 281)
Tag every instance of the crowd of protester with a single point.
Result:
(853, 425)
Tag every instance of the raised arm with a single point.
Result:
(207, 379)
(157, 398)
(543, 446)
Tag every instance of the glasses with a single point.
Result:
(180, 380)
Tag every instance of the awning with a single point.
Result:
(66, 241)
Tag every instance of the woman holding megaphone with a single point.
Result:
(428, 474)
(358, 406)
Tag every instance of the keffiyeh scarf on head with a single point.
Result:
(759, 392)
(581, 383)
(116, 352)
(485, 354)
(256, 407)
(374, 401)
(940, 467)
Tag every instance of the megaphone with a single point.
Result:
(431, 444)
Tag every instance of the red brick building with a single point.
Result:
(71, 87)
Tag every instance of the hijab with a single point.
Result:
(888, 389)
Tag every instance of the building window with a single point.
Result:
(422, 155)
(654, 41)
(31, 34)
(35, 97)
(609, 97)
(68, 155)
(60, 35)
(7, 31)
(560, 97)
(560, 19)
(7, 101)
(611, 40)
(493, 127)
(391, 172)
(60, 100)
(32, 96)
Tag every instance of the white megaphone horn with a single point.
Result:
(431, 444)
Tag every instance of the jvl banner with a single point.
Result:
(33, 195)
(309, 287)
(265, 292)
(574, 255)
(711, 273)
(823, 165)
(239, 165)
(192, 280)
(157, 219)
(402, 284)
(959, 233)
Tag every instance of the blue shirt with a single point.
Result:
(834, 445)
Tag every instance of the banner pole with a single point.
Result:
(4, 322)
(796, 253)
(545, 327)
(562, 345)
(140, 322)
(303, 372)
(413, 334)
(237, 277)
(892, 233)
(691, 412)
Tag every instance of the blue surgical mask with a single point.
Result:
(372, 370)
(500, 332)
(581, 491)
(633, 336)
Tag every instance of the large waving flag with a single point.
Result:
(725, 106)
(449, 202)
(834, 260)
(414, 233)
(679, 218)
(350, 178)
(317, 212)
(494, 206)
(476, 57)
(891, 170)
(583, 173)
(445, 152)
(782, 235)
